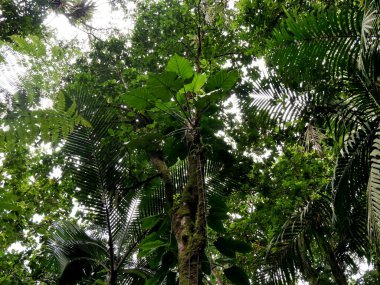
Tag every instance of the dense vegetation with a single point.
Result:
(168, 155)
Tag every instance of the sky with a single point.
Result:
(104, 18)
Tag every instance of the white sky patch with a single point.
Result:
(37, 218)
(232, 107)
(234, 216)
(32, 180)
(260, 63)
(2, 158)
(363, 267)
(56, 173)
(11, 71)
(105, 20)
(16, 247)
(46, 103)
(42, 147)
(75, 209)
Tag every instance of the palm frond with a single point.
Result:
(373, 190)
(82, 10)
(370, 28)
(77, 253)
(287, 253)
(275, 103)
(317, 47)
(99, 164)
(313, 139)
(153, 197)
(351, 172)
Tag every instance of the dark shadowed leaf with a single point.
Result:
(236, 275)
(222, 80)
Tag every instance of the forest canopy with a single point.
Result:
(210, 142)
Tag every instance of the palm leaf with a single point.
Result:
(319, 46)
(101, 167)
(351, 172)
(78, 254)
(273, 104)
(373, 190)
(287, 252)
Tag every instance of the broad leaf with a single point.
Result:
(198, 81)
(150, 243)
(150, 222)
(137, 99)
(217, 204)
(205, 263)
(236, 275)
(164, 86)
(222, 80)
(215, 224)
(229, 247)
(180, 66)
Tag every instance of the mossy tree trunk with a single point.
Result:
(189, 216)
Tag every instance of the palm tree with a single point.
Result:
(130, 236)
(328, 63)
(99, 166)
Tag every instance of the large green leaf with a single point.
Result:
(216, 224)
(205, 263)
(164, 86)
(150, 243)
(217, 213)
(198, 81)
(150, 222)
(222, 80)
(236, 275)
(137, 99)
(180, 66)
(229, 246)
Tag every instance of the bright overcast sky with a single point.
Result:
(104, 18)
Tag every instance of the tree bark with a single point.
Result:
(189, 216)
(157, 159)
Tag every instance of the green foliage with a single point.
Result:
(339, 99)
(132, 100)
(229, 247)
(22, 18)
(331, 48)
(180, 66)
(28, 191)
(236, 275)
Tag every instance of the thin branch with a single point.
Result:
(141, 183)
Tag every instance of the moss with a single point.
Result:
(183, 211)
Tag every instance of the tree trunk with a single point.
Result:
(111, 278)
(189, 216)
(157, 159)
